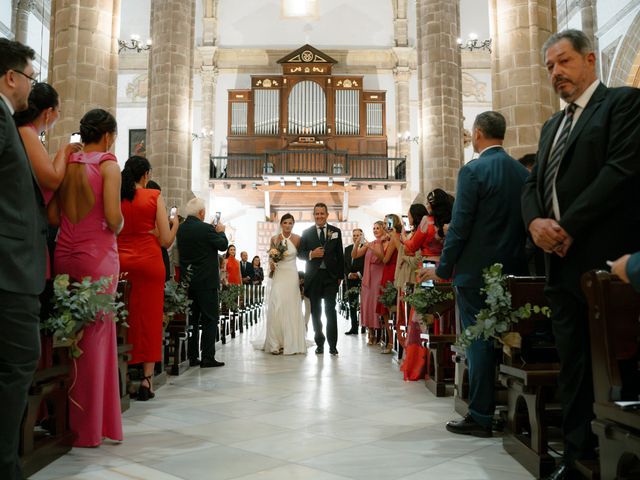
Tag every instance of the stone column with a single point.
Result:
(209, 77)
(440, 88)
(589, 23)
(170, 92)
(402, 75)
(83, 64)
(400, 23)
(23, 8)
(521, 88)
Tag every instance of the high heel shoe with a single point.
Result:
(144, 392)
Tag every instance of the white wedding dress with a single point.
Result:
(285, 330)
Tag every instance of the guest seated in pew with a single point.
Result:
(199, 243)
(87, 208)
(580, 205)
(486, 228)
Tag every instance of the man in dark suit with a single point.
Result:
(580, 206)
(321, 247)
(486, 228)
(22, 255)
(353, 270)
(246, 268)
(199, 243)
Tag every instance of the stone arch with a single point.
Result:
(627, 62)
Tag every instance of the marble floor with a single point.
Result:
(297, 417)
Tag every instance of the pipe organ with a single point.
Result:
(305, 108)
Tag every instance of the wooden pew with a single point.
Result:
(438, 340)
(530, 375)
(124, 289)
(614, 310)
(45, 434)
(176, 359)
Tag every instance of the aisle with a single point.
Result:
(302, 417)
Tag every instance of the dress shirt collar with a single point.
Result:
(488, 148)
(583, 99)
(8, 103)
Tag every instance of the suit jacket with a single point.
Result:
(199, 244)
(486, 225)
(598, 185)
(247, 271)
(333, 254)
(23, 227)
(352, 266)
(633, 271)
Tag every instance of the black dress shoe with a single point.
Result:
(333, 351)
(319, 351)
(351, 332)
(468, 426)
(363, 330)
(194, 362)
(211, 363)
(559, 473)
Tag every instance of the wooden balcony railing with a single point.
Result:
(308, 163)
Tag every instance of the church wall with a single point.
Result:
(340, 22)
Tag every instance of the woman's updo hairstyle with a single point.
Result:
(287, 216)
(133, 171)
(42, 96)
(95, 124)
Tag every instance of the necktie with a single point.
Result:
(554, 160)
(322, 237)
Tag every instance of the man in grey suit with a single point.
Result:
(22, 255)
(486, 228)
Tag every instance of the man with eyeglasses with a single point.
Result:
(22, 255)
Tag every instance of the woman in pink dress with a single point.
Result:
(88, 209)
(370, 287)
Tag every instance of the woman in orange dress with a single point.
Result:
(146, 228)
(233, 267)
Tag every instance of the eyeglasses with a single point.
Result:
(33, 80)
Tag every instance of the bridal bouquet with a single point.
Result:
(277, 252)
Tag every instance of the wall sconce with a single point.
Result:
(346, 182)
(282, 181)
(298, 182)
(266, 182)
(314, 182)
(330, 182)
(408, 138)
(474, 44)
(134, 44)
(204, 133)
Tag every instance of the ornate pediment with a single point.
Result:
(307, 54)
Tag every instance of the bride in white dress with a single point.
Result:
(285, 327)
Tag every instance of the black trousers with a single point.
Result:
(324, 287)
(19, 354)
(204, 314)
(570, 323)
(353, 308)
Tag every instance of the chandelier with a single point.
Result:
(473, 43)
(134, 44)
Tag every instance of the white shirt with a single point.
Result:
(9, 104)
(488, 148)
(580, 104)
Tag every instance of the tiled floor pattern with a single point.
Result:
(296, 417)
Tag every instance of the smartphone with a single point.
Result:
(216, 219)
(389, 223)
(75, 138)
(428, 283)
(405, 223)
(172, 212)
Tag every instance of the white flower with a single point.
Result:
(334, 236)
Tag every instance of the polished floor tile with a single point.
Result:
(301, 417)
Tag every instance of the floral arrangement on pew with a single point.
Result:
(496, 319)
(229, 296)
(76, 304)
(389, 296)
(428, 303)
(176, 298)
(353, 297)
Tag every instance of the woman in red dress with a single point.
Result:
(146, 228)
(233, 266)
(388, 275)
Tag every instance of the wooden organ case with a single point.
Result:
(307, 121)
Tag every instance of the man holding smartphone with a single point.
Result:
(486, 228)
